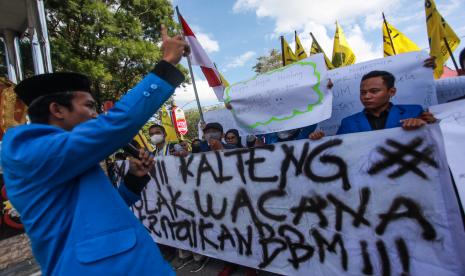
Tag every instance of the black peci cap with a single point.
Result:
(46, 84)
(217, 126)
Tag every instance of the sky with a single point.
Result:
(235, 33)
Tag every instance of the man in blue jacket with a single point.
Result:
(77, 222)
(376, 90)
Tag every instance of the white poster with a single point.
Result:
(285, 98)
(450, 88)
(314, 208)
(414, 83)
(452, 123)
(225, 118)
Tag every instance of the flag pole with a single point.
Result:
(221, 80)
(191, 73)
(295, 40)
(146, 147)
(173, 123)
(451, 55)
(389, 33)
(316, 42)
(340, 53)
(282, 50)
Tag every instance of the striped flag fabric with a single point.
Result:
(199, 57)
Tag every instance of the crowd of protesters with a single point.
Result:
(70, 210)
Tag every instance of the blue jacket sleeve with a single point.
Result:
(418, 110)
(128, 196)
(57, 156)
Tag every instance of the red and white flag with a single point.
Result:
(199, 57)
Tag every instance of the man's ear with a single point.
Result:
(56, 110)
(392, 91)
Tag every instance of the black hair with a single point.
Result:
(158, 126)
(121, 155)
(462, 59)
(236, 133)
(39, 110)
(198, 148)
(388, 78)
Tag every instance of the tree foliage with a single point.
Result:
(269, 62)
(193, 119)
(114, 42)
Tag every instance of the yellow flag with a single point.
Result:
(342, 53)
(167, 123)
(143, 142)
(315, 49)
(287, 53)
(402, 44)
(438, 33)
(299, 49)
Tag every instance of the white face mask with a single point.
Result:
(213, 135)
(286, 134)
(157, 139)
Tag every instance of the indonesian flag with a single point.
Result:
(199, 57)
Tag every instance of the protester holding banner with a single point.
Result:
(77, 222)
(376, 90)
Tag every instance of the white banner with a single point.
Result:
(225, 118)
(452, 116)
(285, 98)
(314, 208)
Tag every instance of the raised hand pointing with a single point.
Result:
(174, 48)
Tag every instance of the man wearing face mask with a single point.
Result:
(157, 137)
(213, 134)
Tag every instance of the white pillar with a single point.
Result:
(9, 64)
(41, 27)
(37, 57)
(13, 57)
